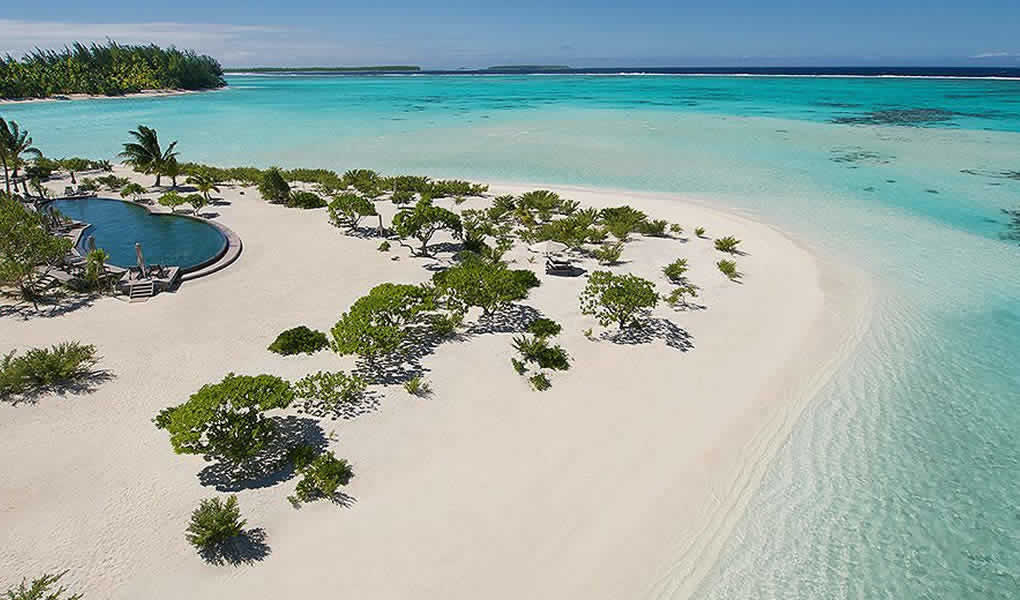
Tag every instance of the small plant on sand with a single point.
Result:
(684, 290)
(699, 231)
(418, 386)
(384, 246)
(675, 270)
(620, 299)
(348, 208)
(729, 269)
(540, 382)
(536, 349)
(519, 366)
(727, 244)
(214, 523)
(273, 187)
(446, 325)
(589, 333)
(327, 391)
(544, 327)
(39, 589)
(227, 420)
(676, 229)
(608, 254)
(656, 228)
(322, 476)
(298, 340)
(41, 368)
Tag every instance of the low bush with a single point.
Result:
(537, 350)
(273, 187)
(519, 366)
(675, 270)
(608, 254)
(40, 368)
(418, 386)
(676, 229)
(88, 184)
(729, 269)
(326, 390)
(678, 297)
(214, 523)
(302, 455)
(544, 327)
(306, 200)
(40, 590)
(446, 325)
(526, 277)
(299, 340)
(699, 231)
(656, 228)
(540, 382)
(112, 182)
(322, 477)
(401, 197)
(727, 244)
(384, 246)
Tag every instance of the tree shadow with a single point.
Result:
(245, 549)
(272, 465)
(208, 215)
(650, 330)
(47, 305)
(512, 319)
(79, 385)
(368, 402)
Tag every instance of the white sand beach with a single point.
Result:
(621, 481)
(69, 97)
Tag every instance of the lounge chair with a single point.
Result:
(559, 266)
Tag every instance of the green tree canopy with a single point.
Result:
(227, 420)
(423, 221)
(14, 142)
(26, 248)
(273, 187)
(620, 299)
(146, 155)
(376, 323)
(348, 208)
(489, 285)
(172, 200)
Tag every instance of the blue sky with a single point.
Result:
(462, 33)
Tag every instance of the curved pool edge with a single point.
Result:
(230, 252)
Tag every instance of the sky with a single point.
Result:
(477, 33)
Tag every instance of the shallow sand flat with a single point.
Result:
(619, 482)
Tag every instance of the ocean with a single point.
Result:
(902, 478)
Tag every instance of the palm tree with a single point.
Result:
(172, 170)
(204, 183)
(14, 142)
(145, 155)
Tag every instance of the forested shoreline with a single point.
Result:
(107, 69)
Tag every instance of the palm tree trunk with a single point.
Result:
(7, 177)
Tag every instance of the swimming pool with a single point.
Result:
(174, 240)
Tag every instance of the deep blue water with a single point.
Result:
(166, 239)
(902, 480)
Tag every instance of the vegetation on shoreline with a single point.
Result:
(368, 69)
(40, 589)
(108, 69)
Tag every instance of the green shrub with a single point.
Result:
(620, 299)
(327, 391)
(656, 228)
(172, 200)
(729, 269)
(302, 455)
(519, 366)
(41, 368)
(676, 229)
(608, 254)
(226, 420)
(214, 523)
(675, 270)
(273, 187)
(540, 382)
(678, 297)
(401, 197)
(384, 246)
(40, 590)
(87, 184)
(322, 477)
(306, 200)
(418, 386)
(727, 244)
(112, 182)
(622, 221)
(446, 325)
(699, 231)
(537, 350)
(298, 340)
(544, 327)
(526, 278)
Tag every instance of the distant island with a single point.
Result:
(106, 70)
(369, 69)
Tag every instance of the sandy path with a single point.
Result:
(619, 482)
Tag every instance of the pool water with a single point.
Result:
(166, 239)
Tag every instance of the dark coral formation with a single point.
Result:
(911, 117)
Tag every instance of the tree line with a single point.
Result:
(108, 69)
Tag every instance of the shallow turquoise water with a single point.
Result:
(902, 480)
(165, 239)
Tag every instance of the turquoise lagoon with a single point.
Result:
(902, 478)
